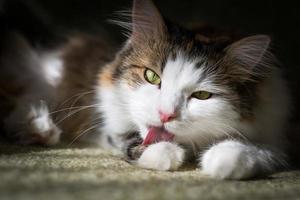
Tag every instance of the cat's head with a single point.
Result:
(170, 78)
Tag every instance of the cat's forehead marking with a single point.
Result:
(183, 71)
(180, 77)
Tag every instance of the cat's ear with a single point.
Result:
(250, 55)
(147, 22)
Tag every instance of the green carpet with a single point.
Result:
(91, 173)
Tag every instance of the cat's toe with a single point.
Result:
(49, 136)
(228, 160)
(41, 129)
(162, 156)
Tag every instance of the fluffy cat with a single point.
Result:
(168, 96)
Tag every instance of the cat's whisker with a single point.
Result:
(75, 112)
(83, 133)
(219, 128)
(76, 95)
(81, 108)
(78, 98)
(66, 109)
(229, 131)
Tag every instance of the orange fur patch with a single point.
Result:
(105, 78)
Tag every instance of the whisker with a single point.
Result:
(78, 94)
(83, 133)
(78, 98)
(66, 109)
(74, 112)
(222, 128)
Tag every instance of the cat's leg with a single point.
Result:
(235, 160)
(162, 156)
(35, 76)
(32, 124)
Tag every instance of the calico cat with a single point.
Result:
(168, 96)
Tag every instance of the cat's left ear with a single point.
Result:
(249, 55)
(147, 22)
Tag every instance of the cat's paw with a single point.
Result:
(40, 128)
(229, 160)
(162, 156)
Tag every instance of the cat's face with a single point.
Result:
(182, 98)
(176, 86)
(169, 79)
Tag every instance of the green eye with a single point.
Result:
(151, 77)
(202, 95)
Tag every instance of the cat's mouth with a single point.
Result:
(158, 134)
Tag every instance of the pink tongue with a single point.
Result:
(156, 134)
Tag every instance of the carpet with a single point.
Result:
(90, 173)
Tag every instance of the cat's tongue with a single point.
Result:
(156, 134)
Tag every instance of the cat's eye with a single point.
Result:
(151, 77)
(202, 95)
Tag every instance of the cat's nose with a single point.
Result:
(166, 117)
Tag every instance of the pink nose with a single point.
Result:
(166, 117)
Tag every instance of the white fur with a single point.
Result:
(178, 81)
(40, 123)
(39, 118)
(52, 66)
(235, 160)
(116, 119)
(162, 156)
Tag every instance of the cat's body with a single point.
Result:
(169, 95)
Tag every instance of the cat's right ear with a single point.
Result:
(147, 22)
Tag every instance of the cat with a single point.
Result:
(170, 95)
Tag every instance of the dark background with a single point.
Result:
(279, 19)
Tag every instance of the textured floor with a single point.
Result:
(90, 173)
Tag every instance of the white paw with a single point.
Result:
(230, 160)
(41, 127)
(162, 156)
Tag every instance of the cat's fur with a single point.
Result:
(83, 87)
